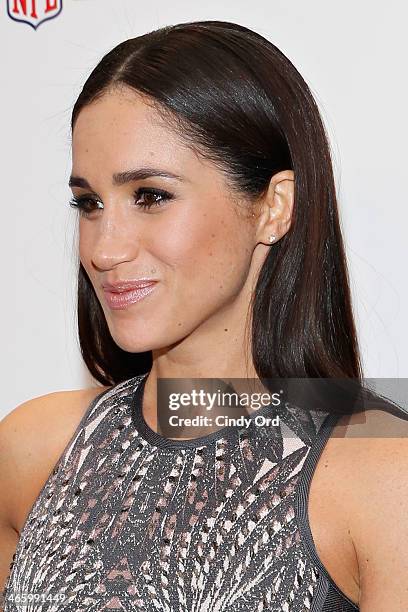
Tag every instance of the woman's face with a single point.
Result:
(195, 244)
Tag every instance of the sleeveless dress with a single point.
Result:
(131, 520)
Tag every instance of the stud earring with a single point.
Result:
(272, 239)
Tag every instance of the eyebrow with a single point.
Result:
(121, 178)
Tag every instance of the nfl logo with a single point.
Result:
(33, 12)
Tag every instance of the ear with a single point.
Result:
(276, 208)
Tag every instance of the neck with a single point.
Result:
(215, 350)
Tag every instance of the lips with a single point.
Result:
(122, 286)
(119, 300)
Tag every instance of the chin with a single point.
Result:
(138, 341)
(136, 344)
(141, 336)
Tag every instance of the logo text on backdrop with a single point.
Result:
(33, 12)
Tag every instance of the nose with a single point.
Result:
(116, 241)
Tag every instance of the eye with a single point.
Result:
(157, 193)
(84, 204)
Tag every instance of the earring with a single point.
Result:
(272, 239)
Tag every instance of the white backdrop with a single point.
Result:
(352, 54)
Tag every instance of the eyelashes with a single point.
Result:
(84, 203)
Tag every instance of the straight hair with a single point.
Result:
(240, 102)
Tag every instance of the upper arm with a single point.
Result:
(32, 439)
(379, 484)
(9, 536)
(8, 544)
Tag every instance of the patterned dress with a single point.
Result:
(131, 520)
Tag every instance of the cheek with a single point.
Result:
(211, 258)
(85, 249)
(84, 246)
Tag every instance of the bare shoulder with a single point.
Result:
(368, 454)
(371, 452)
(32, 438)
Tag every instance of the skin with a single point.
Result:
(206, 257)
(193, 323)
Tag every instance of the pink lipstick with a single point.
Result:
(118, 300)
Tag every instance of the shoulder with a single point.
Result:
(370, 453)
(32, 438)
(48, 405)
(371, 446)
(38, 420)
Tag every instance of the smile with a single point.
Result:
(119, 301)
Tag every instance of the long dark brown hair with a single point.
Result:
(239, 101)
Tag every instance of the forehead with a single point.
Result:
(122, 127)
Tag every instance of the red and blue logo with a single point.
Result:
(33, 12)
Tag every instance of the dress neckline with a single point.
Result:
(156, 439)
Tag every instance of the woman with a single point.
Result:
(207, 210)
